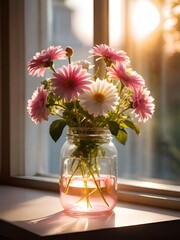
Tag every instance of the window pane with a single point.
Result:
(65, 23)
(72, 26)
(154, 49)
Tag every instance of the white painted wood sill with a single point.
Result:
(34, 214)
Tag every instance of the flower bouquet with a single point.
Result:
(80, 99)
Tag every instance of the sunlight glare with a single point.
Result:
(145, 18)
(116, 18)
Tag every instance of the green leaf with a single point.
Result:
(129, 124)
(56, 129)
(122, 136)
(69, 105)
(113, 127)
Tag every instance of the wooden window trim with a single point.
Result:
(4, 91)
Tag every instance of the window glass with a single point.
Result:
(72, 26)
(65, 23)
(154, 49)
(151, 37)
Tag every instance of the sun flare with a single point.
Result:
(145, 18)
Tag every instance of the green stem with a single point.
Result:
(98, 187)
(125, 109)
(87, 194)
(58, 105)
(52, 68)
(96, 73)
(67, 187)
(96, 166)
(69, 60)
(76, 112)
(122, 86)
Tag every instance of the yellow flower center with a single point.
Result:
(128, 72)
(99, 97)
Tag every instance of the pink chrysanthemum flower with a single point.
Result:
(100, 99)
(143, 104)
(129, 78)
(37, 105)
(42, 60)
(109, 54)
(70, 81)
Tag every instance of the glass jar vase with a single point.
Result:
(88, 172)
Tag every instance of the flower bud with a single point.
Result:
(69, 52)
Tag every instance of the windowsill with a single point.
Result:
(130, 191)
(35, 214)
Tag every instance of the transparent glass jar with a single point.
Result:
(88, 172)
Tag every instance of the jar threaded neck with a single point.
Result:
(84, 133)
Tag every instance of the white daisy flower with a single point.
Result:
(101, 98)
(85, 64)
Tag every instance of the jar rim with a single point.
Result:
(89, 129)
(92, 132)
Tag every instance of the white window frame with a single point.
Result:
(12, 133)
